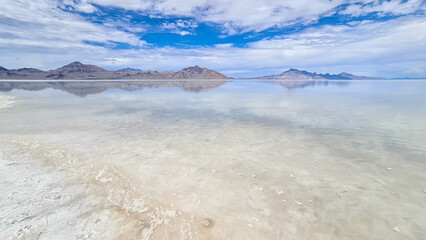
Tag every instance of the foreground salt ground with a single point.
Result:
(6, 102)
(155, 172)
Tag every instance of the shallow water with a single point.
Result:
(213, 160)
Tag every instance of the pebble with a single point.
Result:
(396, 229)
(284, 201)
(340, 195)
(389, 168)
(299, 203)
(250, 225)
(261, 189)
(239, 174)
(253, 176)
(214, 171)
(291, 175)
(205, 222)
(279, 192)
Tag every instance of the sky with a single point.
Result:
(240, 38)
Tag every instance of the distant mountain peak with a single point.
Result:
(197, 72)
(196, 67)
(295, 74)
(80, 67)
(131, 69)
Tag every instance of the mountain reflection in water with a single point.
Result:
(84, 88)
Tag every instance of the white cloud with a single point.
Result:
(183, 33)
(237, 15)
(415, 70)
(79, 6)
(393, 7)
(44, 24)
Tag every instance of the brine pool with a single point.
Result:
(213, 160)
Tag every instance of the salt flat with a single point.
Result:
(245, 160)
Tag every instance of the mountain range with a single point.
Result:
(79, 71)
(294, 74)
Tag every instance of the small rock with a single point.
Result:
(280, 192)
(340, 195)
(213, 171)
(253, 176)
(396, 229)
(205, 222)
(291, 175)
(284, 201)
(299, 203)
(250, 225)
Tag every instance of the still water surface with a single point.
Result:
(213, 160)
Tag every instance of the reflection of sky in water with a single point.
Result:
(258, 159)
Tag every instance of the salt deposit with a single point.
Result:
(239, 162)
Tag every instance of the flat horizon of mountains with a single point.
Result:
(79, 71)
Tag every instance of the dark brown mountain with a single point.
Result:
(294, 74)
(79, 71)
(196, 72)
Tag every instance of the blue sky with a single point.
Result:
(241, 38)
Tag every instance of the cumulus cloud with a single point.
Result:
(238, 15)
(79, 6)
(181, 27)
(44, 24)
